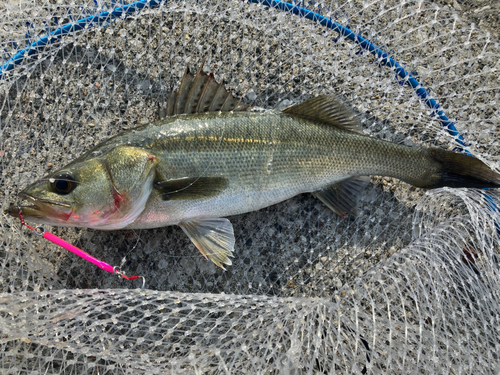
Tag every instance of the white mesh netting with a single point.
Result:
(411, 285)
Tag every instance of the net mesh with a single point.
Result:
(410, 285)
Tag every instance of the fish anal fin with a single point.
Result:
(327, 110)
(201, 93)
(191, 188)
(213, 237)
(343, 196)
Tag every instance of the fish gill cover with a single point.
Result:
(410, 285)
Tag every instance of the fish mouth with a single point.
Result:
(37, 202)
(40, 208)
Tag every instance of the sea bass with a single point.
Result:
(208, 159)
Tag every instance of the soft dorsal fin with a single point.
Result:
(327, 110)
(201, 93)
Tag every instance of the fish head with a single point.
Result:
(105, 192)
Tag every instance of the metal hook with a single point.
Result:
(143, 282)
(119, 272)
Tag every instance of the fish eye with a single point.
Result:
(63, 184)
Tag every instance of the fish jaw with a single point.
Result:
(46, 210)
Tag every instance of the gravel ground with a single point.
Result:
(484, 14)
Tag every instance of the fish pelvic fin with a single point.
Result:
(214, 237)
(199, 93)
(327, 110)
(343, 197)
(459, 170)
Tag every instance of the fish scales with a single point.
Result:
(267, 158)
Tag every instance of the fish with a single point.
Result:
(210, 157)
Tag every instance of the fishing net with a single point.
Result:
(410, 285)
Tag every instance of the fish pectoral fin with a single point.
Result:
(214, 237)
(343, 196)
(328, 110)
(191, 188)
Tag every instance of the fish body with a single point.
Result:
(193, 170)
(264, 158)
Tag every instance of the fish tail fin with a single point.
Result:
(459, 170)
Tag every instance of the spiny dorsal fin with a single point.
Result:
(208, 94)
(201, 93)
(195, 92)
(343, 196)
(182, 94)
(327, 110)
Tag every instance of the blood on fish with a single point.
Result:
(119, 198)
(66, 217)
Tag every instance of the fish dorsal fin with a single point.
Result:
(327, 110)
(201, 93)
(343, 196)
